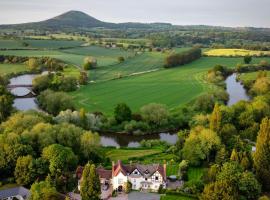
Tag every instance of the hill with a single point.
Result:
(77, 20)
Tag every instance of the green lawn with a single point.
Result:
(250, 76)
(195, 173)
(11, 68)
(173, 87)
(11, 44)
(175, 197)
(125, 154)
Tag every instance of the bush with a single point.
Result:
(54, 102)
(122, 113)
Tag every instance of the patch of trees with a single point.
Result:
(55, 102)
(218, 74)
(54, 81)
(43, 154)
(89, 63)
(6, 100)
(183, 58)
(263, 65)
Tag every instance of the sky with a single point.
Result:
(233, 13)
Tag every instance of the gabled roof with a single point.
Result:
(145, 170)
(103, 173)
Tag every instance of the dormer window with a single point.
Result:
(146, 172)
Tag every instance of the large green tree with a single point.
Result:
(24, 171)
(122, 113)
(43, 190)
(262, 154)
(90, 185)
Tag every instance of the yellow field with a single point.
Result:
(235, 52)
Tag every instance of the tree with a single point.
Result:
(89, 63)
(121, 59)
(32, 64)
(122, 113)
(234, 156)
(262, 154)
(54, 102)
(61, 159)
(215, 119)
(128, 187)
(83, 78)
(90, 184)
(248, 186)
(43, 190)
(247, 59)
(220, 190)
(199, 145)
(6, 106)
(24, 171)
(90, 142)
(154, 114)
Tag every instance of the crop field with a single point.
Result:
(235, 52)
(11, 68)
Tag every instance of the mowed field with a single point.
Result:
(235, 52)
(12, 68)
(172, 87)
(250, 76)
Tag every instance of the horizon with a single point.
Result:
(206, 12)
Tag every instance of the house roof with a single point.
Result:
(103, 173)
(145, 170)
(25, 193)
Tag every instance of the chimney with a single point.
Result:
(165, 170)
(113, 169)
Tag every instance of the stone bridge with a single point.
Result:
(21, 91)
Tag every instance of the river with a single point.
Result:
(235, 90)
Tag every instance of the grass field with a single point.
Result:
(10, 44)
(104, 56)
(250, 76)
(173, 87)
(235, 52)
(11, 68)
(175, 197)
(125, 154)
(52, 44)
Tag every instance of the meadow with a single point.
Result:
(6, 69)
(235, 52)
(173, 87)
(251, 76)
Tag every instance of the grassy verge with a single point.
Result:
(175, 197)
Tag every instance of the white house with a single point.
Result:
(142, 177)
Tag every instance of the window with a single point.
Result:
(120, 181)
(146, 179)
(157, 178)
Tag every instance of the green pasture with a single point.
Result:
(12, 68)
(172, 87)
(104, 56)
(251, 76)
(139, 64)
(11, 44)
(52, 44)
(195, 173)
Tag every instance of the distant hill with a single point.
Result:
(77, 20)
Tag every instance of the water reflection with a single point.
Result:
(124, 140)
(236, 90)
